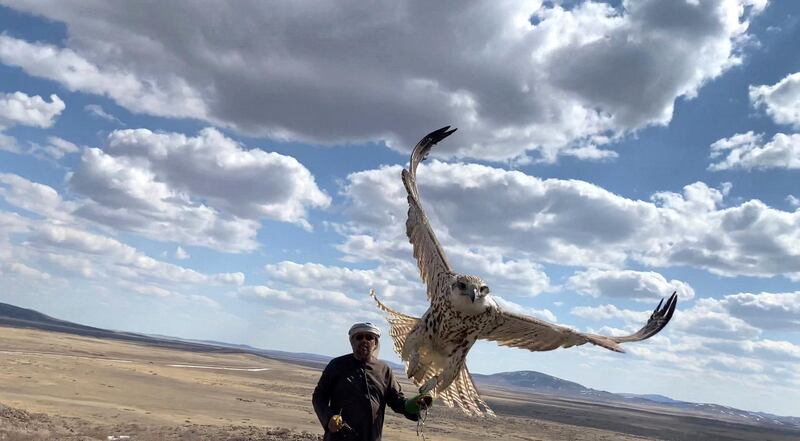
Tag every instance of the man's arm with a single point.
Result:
(395, 398)
(322, 396)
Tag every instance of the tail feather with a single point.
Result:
(463, 394)
(400, 325)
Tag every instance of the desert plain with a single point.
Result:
(58, 386)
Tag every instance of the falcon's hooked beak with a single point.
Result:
(472, 294)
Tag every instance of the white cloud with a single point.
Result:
(34, 197)
(20, 109)
(490, 211)
(207, 190)
(781, 101)
(169, 96)
(62, 251)
(776, 311)
(9, 143)
(604, 312)
(708, 318)
(260, 292)
(97, 110)
(762, 349)
(56, 148)
(544, 314)
(340, 285)
(748, 151)
(628, 284)
(511, 85)
(16, 268)
(181, 254)
(121, 260)
(237, 278)
(313, 300)
(734, 364)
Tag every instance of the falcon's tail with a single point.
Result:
(400, 325)
(460, 393)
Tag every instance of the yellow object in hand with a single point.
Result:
(336, 422)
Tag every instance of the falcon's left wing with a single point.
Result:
(428, 252)
(525, 332)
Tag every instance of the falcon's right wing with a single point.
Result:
(431, 260)
(525, 332)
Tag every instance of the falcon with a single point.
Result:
(434, 347)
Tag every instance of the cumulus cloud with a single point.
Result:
(20, 269)
(20, 109)
(781, 100)
(56, 148)
(34, 197)
(708, 318)
(775, 311)
(208, 190)
(544, 314)
(604, 312)
(123, 260)
(748, 151)
(61, 251)
(569, 222)
(642, 285)
(529, 76)
(764, 349)
(344, 286)
(169, 96)
(261, 292)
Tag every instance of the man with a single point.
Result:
(354, 390)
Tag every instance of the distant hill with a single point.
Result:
(539, 383)
(17, 317)
(517, 381)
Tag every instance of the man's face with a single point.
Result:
(364, 345)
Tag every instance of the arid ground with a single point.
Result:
(56, 386)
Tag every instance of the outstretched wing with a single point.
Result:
(521, 331)
(431, 260)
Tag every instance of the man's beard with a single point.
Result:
(364, 351)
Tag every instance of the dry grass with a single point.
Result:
(60, 386)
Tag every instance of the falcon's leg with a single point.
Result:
(448, 375)
(413, 365)
(411, 351)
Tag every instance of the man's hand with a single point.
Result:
(424, 401)
(335, 423)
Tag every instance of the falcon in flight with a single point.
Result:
(434, 348)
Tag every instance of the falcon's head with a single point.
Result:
(470, 294)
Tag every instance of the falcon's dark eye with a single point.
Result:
(484, 290)
(462, 286)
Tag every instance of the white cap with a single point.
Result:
(364, 327)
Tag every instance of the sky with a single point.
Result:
(231, 172)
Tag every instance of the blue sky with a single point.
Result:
(233, 173)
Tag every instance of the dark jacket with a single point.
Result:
(360, 391)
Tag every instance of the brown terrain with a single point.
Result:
(58, 386)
